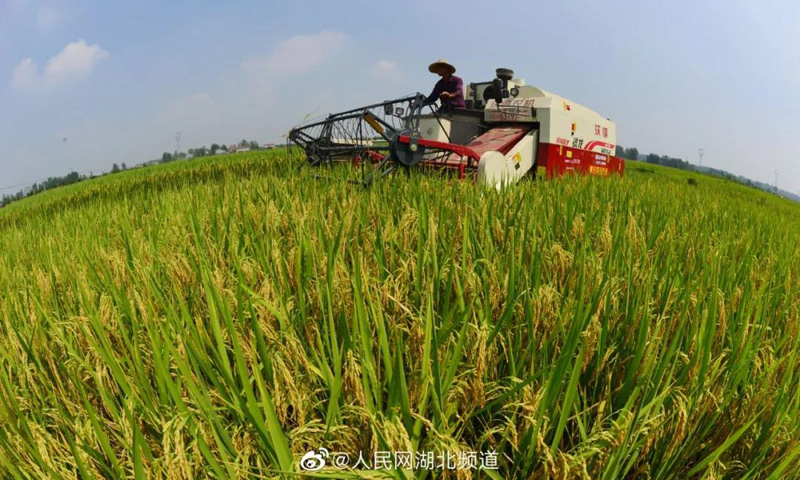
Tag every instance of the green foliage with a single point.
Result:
(199, 152)
(221, 318)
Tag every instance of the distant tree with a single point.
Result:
(166, 157)
(243, 143)
(124, 167)
(673, 162)
(653, 158)
(632, 153)
(224, 147)
(620, 152)
(214, 147)
(253, 145)
(115, 168)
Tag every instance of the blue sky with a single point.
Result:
(84, 84)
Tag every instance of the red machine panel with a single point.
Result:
(558, 160)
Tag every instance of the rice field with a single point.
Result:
(225, 317)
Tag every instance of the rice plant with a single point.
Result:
(222, 318)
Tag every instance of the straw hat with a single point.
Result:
(434, 67)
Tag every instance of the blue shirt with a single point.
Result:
(452, 85)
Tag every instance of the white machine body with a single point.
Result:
(551, 135)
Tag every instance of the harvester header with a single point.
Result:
(507, 131)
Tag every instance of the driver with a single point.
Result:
(449, 90)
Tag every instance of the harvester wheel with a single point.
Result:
(407, 154)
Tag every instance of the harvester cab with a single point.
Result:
(508, 131)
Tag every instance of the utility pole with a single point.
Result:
(177, 143)
(776, 181)
(701, 157)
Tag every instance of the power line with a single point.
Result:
(21, 185)
(26, 184)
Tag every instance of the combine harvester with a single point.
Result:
(508, 130)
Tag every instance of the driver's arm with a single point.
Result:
(437, 91)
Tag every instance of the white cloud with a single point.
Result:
(300, 54)
(46, 18)
(386, 70)
(76, 61)
(24, 74)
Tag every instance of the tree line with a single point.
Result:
(75, 177)
(52, 182)
(633, 154)
(214, 149)
(667, 161)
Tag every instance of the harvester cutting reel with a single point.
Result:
(376, 139)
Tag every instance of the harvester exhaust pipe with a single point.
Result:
(504, 74)
(499, 88)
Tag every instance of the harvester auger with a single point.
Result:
(508, 130)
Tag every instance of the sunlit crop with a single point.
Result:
(224, 317)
